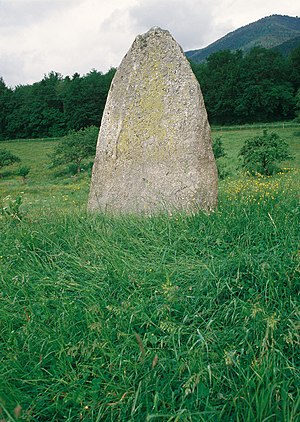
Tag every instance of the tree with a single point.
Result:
(219, 79)
(75, 147)
(5, 96)
(294, 62)
(262, 153)
(7, 158)
(258, 86)
(23, 172)
(84, 98)
(219, 153)
(298, 106)
(266, 93)
(48, 106)
(18, 112)
(53, 106)
(218, 148)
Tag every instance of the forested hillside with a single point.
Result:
(287, 47)
(259, 86)
(269, 32)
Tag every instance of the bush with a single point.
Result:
(261, 154)
(7, 158)
(75, 147)
(219, 153)
(218, 148)
(23, 172)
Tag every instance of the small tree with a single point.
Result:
(219, 152)
(23, 172)
(262, 153)
(298, 106)
(7, 158)
(218, 148)
(75, 147)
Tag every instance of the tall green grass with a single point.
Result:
(183, 317)
(168, 318)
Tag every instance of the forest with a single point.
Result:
(259, 86)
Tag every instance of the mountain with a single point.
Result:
(269, 32)
(287, 47)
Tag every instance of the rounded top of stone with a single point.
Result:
(155, 30)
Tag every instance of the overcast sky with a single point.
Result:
(68, 36)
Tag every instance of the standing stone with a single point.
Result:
(154, 150)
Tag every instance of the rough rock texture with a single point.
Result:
(154, 148)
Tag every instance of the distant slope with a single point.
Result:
(287, 47)
(267, 32)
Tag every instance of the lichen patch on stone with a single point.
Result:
(154, 149)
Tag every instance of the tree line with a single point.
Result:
(54, 106)
(259, 86)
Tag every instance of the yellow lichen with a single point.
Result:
(143, 129)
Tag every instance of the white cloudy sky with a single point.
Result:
(68, 36)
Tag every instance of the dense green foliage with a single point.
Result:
(259, 86)
(7, 158)
(219, 153)
(23, 172)
(289, 46)
(262, 153)
(218, 147)
(53, 106)
(298, 105)
(76, 147)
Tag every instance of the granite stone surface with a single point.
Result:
(154, 150)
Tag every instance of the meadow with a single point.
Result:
(168, 318)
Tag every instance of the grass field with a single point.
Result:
(168, 318)
(44, 190)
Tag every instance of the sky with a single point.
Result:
(69, 36)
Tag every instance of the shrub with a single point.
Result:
(75, 147)
(7, 158)
(218, 148)
(219, 153)
(262, 153)
(23, 172)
